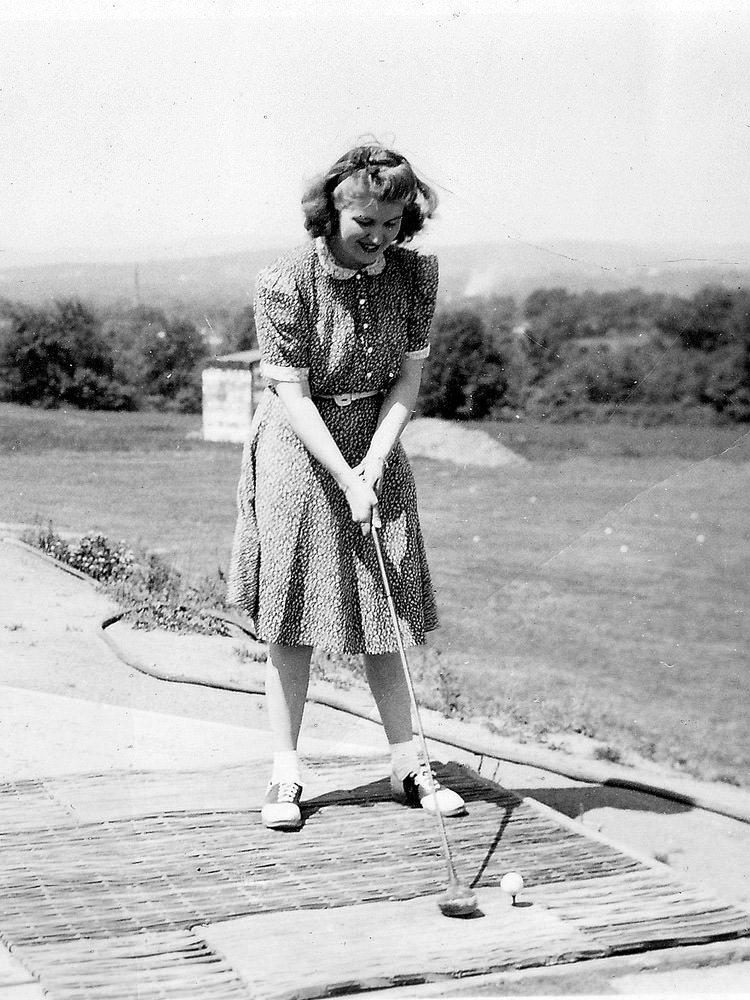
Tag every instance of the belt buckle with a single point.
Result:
(344, 398)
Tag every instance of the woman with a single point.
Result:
(343, 325)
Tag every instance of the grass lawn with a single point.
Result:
(601, 588)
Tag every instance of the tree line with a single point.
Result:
(69, 354)
(562, 356)
(557, 355)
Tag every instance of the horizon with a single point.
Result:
(199, 281)
(725, 252)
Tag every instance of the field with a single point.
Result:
(602, 588)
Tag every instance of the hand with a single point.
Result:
(370, 471)
(362, 502)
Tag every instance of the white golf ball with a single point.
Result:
(512, 883)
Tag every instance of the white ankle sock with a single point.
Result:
(404, 759)
(285, 766)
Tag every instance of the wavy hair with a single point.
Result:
(373, 171)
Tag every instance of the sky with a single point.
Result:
(192, 126)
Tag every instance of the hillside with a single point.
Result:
(508, 268)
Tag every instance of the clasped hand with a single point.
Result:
(362, 492)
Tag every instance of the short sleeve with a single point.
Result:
(282, 325)
(424, 296)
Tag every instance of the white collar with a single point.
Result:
(335, 270)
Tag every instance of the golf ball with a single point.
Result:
(512, 883)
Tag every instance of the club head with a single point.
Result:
(458, 901)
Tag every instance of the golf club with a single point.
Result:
(458, 900)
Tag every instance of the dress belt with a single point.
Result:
(346, 398)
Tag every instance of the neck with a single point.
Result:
(341, 257)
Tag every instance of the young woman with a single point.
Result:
(343, 325)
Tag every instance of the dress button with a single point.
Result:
(369, 350)
(363, 302)
(365, 326)
(358, 276)
(369, 375)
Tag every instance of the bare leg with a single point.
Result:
(385, 676)
(287, 680)
(409, 781)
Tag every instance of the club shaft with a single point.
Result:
(410, 685)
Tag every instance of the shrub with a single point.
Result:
(151, 593)
(98, 558)
(727, 387)
(466, 375)
(169, 357)
(57, 357)
(552, 318)
(713, 318)
(242, 335)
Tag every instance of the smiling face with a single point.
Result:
(366, 228)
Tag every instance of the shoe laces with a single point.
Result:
(427, 778)
(288, 791)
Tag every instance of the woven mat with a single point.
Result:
(108, 882)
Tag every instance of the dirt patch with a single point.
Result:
(428, 437)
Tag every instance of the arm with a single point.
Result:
(395, 413)
(310, 428)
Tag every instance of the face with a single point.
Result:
(366, 228)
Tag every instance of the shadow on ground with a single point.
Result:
(576, 801)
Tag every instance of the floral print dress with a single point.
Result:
(300, 567)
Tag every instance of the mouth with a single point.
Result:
(370, 248)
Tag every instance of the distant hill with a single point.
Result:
(509, 268)
(517, 268)
(194, 283)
